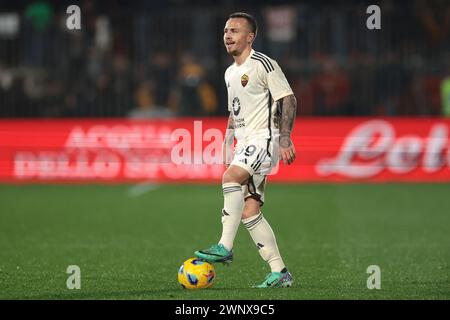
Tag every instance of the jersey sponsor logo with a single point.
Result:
(244, 80)
(236, 106)
(239, 123)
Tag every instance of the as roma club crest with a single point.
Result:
(244, 80)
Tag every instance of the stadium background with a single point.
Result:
(81, 109)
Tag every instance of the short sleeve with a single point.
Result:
(277, 83)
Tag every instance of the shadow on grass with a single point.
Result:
(161, 294)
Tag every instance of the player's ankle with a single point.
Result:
(228, 247)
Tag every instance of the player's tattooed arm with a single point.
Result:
(288, 106)
(227, 147)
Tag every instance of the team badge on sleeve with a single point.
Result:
(244, 80)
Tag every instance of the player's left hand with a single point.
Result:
(287, 150)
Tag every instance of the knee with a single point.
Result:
(252, 208)
(248, 214)
(235, 175)
(228, 177)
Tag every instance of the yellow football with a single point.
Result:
(196, 274)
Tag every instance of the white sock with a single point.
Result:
(264, 238)
(233, 204)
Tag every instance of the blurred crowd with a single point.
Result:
(166, 58)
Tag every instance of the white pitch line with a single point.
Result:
(140, 189)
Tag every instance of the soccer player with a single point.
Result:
(262, 112)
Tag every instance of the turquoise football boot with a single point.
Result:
(215, 253)
(281, 279)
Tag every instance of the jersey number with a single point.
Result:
(250, 150)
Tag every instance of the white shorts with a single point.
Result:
(258, 157)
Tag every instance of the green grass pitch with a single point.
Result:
(129, 242)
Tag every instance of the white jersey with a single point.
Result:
(253, 90)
